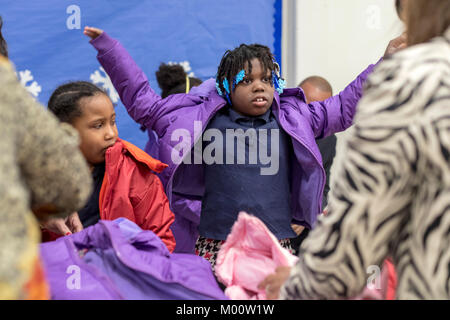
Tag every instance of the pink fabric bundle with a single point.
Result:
(387, 282)
(250, 253)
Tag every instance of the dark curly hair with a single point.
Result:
(3, 45)
(233, 61)
(65, 100)
(172, 79)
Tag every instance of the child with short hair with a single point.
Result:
(124, 181)
(247, 96)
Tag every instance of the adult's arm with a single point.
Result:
(336, 113)
(370, 205)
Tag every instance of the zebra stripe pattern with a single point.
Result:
(391, 195)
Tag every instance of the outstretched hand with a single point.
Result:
(92, 32)
(395, 45)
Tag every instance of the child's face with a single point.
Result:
(253, 96)
(97, 127)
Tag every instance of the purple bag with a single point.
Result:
(118, 260)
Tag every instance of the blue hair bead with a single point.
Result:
(228, 99)
(278, 82)
(226, 85)
(281, 85)
(239, 77)
(218, 89)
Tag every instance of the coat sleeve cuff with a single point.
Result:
(103, 43)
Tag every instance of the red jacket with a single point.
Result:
(131, 190)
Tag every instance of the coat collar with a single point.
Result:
(139, 155)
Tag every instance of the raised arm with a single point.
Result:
(336, 113)
(141, 102)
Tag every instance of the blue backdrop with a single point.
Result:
(48, 47)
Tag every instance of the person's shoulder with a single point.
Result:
(291, 98)
(205, 89)
(290, 93)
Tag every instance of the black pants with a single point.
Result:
(297, 242)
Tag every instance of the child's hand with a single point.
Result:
(92, 32)
(73, 222)
(64, 227)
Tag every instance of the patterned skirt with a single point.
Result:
(208, 248)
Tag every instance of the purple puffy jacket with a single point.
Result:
(117, 260)
(184, 182)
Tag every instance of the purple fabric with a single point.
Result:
(124, 262)
(152, 145)
(303, 122)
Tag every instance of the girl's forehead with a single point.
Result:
(98, 105)
(257, 67)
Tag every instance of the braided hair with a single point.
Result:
(65, 100)
(3, 45)
(238, 59)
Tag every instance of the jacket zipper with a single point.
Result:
(312, 153)
(169, 184)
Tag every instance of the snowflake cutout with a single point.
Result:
(186, 66)
(25, 77)
(105, 82)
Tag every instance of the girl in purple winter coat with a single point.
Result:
(240, 142)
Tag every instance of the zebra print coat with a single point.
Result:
(392, 192)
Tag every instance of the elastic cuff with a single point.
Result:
(103, 43)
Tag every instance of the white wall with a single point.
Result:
(335, 39)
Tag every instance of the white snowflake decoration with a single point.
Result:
(25, 77)
(105, 81)
(186, 66)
